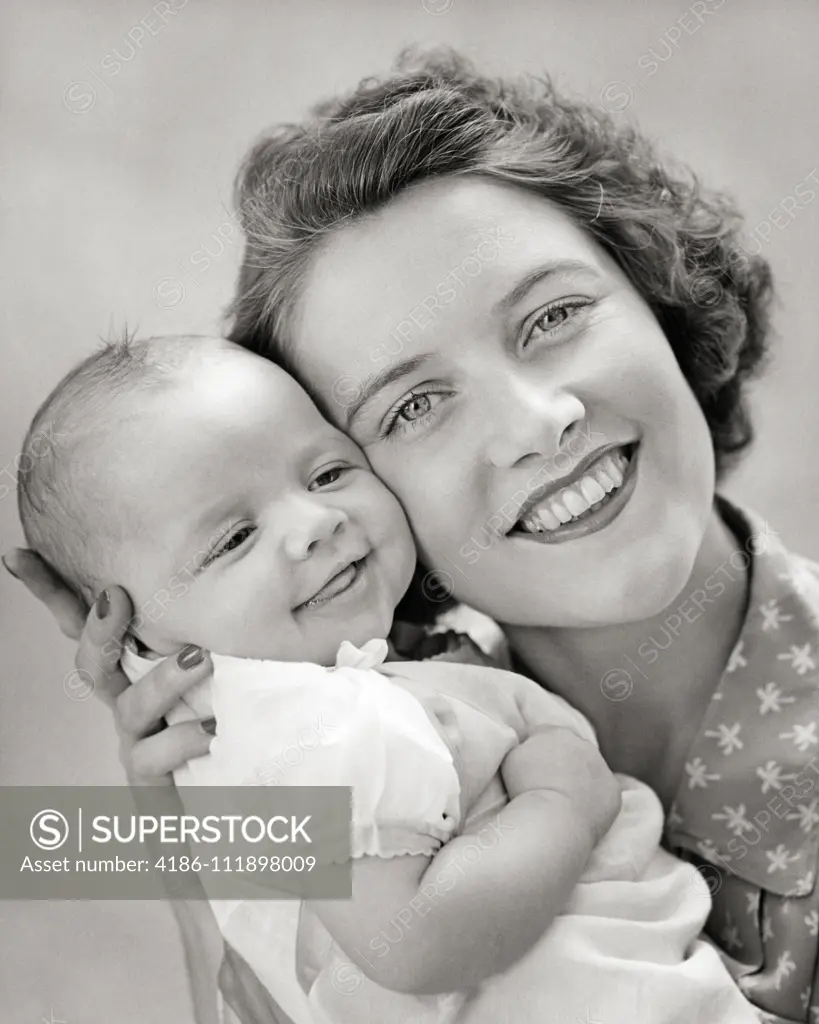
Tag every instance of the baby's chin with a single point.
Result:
(315, 640)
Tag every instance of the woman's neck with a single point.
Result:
(645, 685)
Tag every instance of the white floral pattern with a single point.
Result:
(737, 659)
(807, 815)
(785, 966)
(771, 775)
(698, 775)
(727, 737)
(772, 615)
(735, 819)
(730, 935)
(803, 736)
(800, 658)
(771, 698)
(780, 858)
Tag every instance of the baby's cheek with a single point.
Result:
(159, 625)
(221, 624)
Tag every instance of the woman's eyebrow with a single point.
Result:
(554, 268)
(379, 381)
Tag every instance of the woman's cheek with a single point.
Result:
(443, 544)
(453, 509)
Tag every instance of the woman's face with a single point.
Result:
(516, 393)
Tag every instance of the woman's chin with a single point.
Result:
(636, 589)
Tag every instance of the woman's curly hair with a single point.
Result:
(435, 117)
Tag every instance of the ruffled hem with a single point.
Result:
(398, 840)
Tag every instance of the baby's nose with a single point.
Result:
(313, 524)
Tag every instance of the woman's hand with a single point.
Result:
(69, 611)
(148, 752)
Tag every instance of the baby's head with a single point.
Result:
(203, 480)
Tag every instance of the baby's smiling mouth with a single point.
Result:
(339, 583)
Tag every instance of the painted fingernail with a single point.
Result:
(8, 568)
(103, 605)
(190, 656)
(208, 725)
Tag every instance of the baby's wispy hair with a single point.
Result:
(65, 502)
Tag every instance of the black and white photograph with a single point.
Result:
(409, 512)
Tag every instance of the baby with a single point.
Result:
(204, 481)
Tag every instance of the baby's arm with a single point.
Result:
(464, 918)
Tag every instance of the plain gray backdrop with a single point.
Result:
(122, 125)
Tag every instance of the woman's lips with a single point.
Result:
(339, 584)
(579, 509)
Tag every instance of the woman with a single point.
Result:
(496, 292)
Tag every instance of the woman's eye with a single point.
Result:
(412, 412)
(326, 477)
(555, 316)
(234, 541)
(415, 408)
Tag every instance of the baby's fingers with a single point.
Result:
(141, 707)
(151, 760)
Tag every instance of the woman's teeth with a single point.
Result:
(585, 495)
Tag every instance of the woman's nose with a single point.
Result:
(312, 524)
(529, 417)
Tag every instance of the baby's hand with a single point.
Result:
(558, 760)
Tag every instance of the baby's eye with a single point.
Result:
(233, 541)
(327, 477)
(236, 540)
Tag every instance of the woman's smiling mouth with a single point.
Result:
(586, 505)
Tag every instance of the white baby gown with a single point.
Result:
(421, 743)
